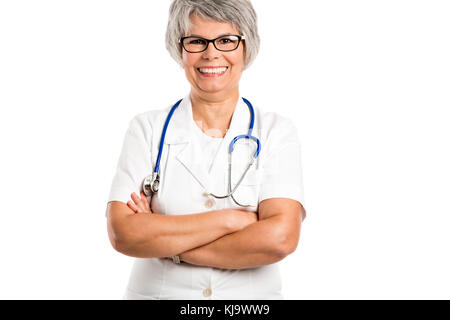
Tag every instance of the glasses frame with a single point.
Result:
(208, 41)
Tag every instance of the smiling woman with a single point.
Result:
(192, 243)
(210, 71)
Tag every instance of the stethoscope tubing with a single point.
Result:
(163, 135)
(151, 183)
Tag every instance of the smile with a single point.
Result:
(212, 72)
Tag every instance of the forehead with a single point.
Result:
(209, 28)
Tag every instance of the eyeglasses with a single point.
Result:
(224, 43)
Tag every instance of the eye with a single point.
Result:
(196, 41)
(227, 40)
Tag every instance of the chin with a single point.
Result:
(212, 89)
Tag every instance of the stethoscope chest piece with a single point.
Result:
(151, 184)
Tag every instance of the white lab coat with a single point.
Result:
(184, 179)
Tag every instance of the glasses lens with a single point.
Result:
(227, 43)
(194, 44)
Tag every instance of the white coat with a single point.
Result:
(185, 177)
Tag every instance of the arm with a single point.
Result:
(150, 235)
(269, 240)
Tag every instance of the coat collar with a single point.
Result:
(181, 126)
(180, 132)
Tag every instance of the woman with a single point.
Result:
(190, 243)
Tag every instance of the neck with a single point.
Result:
(213, 114)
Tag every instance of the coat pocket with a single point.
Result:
(247, 193)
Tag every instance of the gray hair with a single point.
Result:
(240, 13)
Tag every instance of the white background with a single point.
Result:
(366, 82)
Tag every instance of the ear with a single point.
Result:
(245, 56)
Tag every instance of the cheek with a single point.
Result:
(237, 59)
(188, 61)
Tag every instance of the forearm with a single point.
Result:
(156, 235)
(256, 245)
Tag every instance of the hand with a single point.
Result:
(140, 204)
(244, 218)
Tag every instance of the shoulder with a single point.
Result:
(278, 129)
(275, 121)
(145, 122)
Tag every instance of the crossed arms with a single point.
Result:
(228, 239)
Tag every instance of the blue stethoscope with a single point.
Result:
(151, 182)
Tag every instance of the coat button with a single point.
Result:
(209, 203)
(207, 292)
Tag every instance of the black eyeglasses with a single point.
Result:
(224, 43)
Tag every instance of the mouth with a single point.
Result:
(212, 72)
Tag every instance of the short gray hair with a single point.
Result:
(240, 13)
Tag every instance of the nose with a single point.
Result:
(211, 52)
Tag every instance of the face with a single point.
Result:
(206, 82)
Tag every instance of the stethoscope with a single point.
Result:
(151, 182)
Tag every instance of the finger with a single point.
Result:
(145, 202)
(139, 205)
(144, 198)
(132, 206)
(135, 198)
(139, 202)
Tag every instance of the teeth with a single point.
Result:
(213, 71)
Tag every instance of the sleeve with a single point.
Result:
(134, 162)
(282, 168)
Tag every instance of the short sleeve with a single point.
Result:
(134, 162)
(282, 167)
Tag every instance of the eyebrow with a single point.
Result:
(224, 34)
